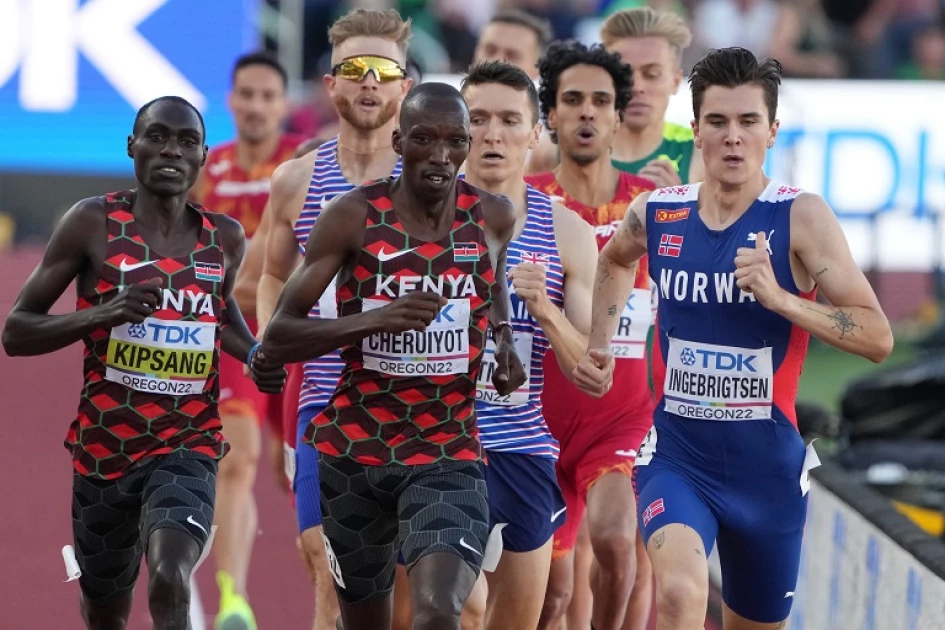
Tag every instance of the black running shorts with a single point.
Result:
(372, 512)
(112, 521)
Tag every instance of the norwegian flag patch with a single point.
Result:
(670, 245)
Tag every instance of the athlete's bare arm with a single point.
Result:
(856, 323)
(289, 185)
(334, 246)
(76, 251)
(616, 273)
(499, 215)
(247, 278)
(613, 284)
(235, 337)
(567, 331)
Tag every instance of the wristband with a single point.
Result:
(252, 353)
(495, 328)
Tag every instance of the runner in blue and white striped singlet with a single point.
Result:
(513, 423)
(327, 182)
(551, 263)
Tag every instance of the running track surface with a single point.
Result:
(38, 398)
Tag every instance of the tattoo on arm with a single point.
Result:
(659, 539)
(612, 311)
(603, 272)
(633, 221)
(842, 321)
(820, 273)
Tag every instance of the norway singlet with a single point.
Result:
(724, 456)
(226, 188)
(514, 423)
(327, 182)
(719, 354)
(677, 146)
(409, 398)
(565, 407)
(151, 388)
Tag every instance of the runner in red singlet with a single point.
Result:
(235, 182)
(420, 265)
(154, 276)
(582, 94)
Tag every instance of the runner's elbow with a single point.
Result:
(883, 347)
(12, 339)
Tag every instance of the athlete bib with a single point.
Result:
(161, 356)
(712, 382)
(441, 349)
(485, 390)
(629, 342)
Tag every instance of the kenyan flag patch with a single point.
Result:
(211, 272)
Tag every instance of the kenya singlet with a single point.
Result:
(327, 182)
(151, 388)
(409, 398)
(228, 189)
(566, 409)
(514, 423)
(720, 355)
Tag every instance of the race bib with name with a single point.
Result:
(440, 350)
(485, 390)
(629, 341)
(161, 356)
(710, 382)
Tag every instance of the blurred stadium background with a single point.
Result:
(862, 125)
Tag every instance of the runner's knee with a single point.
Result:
(239, 463)
(169, 583)
(614, 547)
(557, 599)
(437, 608)
(678, 594)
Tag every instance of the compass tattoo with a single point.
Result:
(842, 321)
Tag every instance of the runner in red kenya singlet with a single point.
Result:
(154, 274)
(421, 273)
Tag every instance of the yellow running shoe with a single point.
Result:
(235, 612)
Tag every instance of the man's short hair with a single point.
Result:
(366, 23)
(139, 117)
(260, 58)
(647, 22)
(540, 26)
(732, 67)
(503, 73)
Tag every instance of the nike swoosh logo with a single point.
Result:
(384, 256)
(124, 266)
(626, 453)
(463, 543)
(555, 516)
(789, 594)
(190, 519)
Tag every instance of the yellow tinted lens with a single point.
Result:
(352, 70)
(358, 67)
